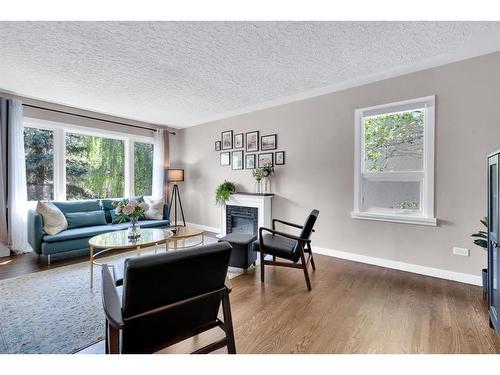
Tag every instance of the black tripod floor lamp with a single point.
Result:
(175, 176)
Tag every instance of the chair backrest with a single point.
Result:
(309, 224)
(153, 282)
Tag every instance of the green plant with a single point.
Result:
(482, 236)
(257, 174)
(223, 192)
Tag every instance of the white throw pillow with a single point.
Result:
(54, 220)
(155, 209)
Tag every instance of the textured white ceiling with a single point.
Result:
(186, 73)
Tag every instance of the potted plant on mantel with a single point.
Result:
(481, 240)
(223, 192)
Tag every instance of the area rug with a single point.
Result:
(55, 311)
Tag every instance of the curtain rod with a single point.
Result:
(95, 118)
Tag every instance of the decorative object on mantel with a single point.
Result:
(237, 160)
(267, 171)
(257, 174)
(279, 158)
(129, 209)
(481, 240)
(223, 192)
(252, 141)
(175, 176)
(227, 140)
(268, 142)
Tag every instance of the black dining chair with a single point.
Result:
(167, 298)
(287, 246)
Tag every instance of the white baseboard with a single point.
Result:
(408, 267)
(387, 263)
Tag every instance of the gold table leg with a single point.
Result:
(91, 266)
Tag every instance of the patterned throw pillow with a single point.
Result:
(155, 210)
(54, 220)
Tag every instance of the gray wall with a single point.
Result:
(318, 137)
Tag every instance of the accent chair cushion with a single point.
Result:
(155, 210)
(278, 245)
(85, 219)
(53, 219)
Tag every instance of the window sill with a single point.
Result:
(405, 219)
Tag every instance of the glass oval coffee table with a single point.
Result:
(104, 243)
(182, 234)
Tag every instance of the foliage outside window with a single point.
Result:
(395, 162)
(143, 168)
(39, 154)
(95, 167)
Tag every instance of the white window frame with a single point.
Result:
(59, 131)
(425, 216)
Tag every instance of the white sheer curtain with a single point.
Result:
(159, 164)
(4, 235)
(17, 191)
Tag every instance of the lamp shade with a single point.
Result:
(175, 175)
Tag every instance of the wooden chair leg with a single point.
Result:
(311, 255)
(228, 324)
(261, 267)
(304, 267)
(114, 337)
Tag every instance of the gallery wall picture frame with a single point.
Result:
(237, 160)
(265, 158)
(279, 158)
(217, 145)
(249, 161)
(252, 141)
(238, 140)
(269, 142)
(227, 140)
(225, 158)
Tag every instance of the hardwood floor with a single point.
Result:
(352, 308)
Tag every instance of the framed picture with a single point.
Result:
(250, 161)
(279, 157)
(268, 142)
(217, 145)
(225, 158)
(227, 140)
(238, 140)
(266, 158)
(237, 160)
(252, 141)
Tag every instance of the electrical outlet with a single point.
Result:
(461, 251)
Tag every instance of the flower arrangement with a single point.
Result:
(257, 174)
(130, 209)
(267, 170)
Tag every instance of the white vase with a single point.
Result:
(258, 187)
(266, 185)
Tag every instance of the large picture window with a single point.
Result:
(395, 162)
(64, 162)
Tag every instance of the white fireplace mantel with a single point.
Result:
(263, 203)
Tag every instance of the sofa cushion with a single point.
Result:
(82, 232)
(53, 219)
(155, 208)
(85, 219)
(78, 206)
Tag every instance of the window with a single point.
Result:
(143, 168)
(39, 154)
(395, 162)
(95, 167)
(65, 162)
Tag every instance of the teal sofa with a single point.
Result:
(86, 218)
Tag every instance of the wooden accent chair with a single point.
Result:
(287, 246)
(167, 298)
